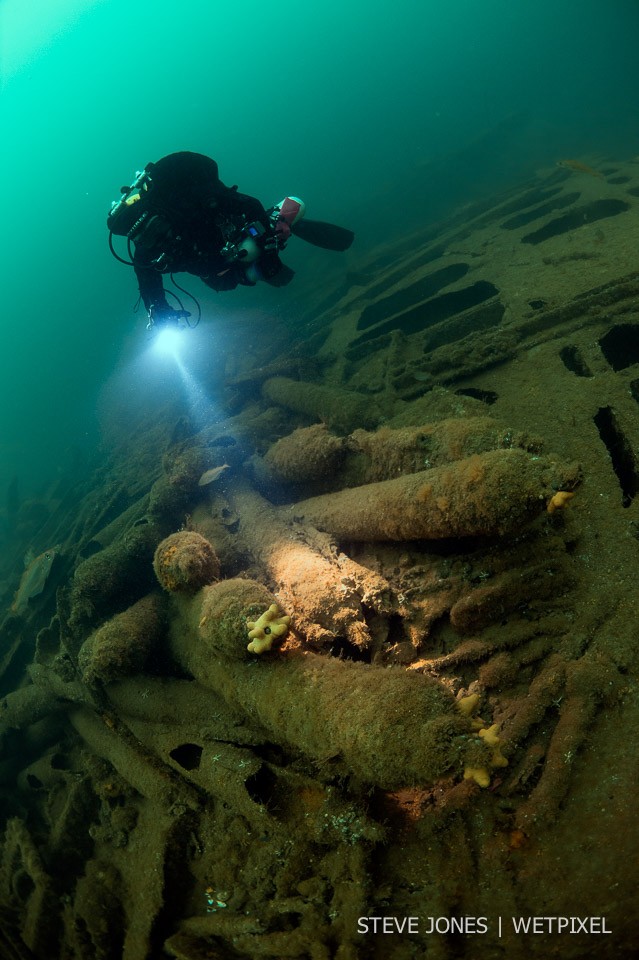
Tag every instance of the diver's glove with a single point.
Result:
(161, 315)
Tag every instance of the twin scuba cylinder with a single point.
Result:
(127, 214)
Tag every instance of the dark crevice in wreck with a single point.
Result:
(434, 311)
(587, 213)
(621, 454)
(416, 293)
(523, 219)
(572, 359)
(620, 345)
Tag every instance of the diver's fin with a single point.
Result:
(326, 235)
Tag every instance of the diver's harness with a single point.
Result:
(131, 217)
(244, 242)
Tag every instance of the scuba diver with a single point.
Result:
(182, 218)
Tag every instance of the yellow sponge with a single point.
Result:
(264, 630)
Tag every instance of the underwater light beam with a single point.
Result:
(169, 344)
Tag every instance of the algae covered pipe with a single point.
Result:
(389, 727)
(343, 410)
(483, 495)
(327, 590)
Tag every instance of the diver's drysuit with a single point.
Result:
(182, 218)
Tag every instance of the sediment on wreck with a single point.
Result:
(316, 456)
(326, 592)
(263, 807)
(358, 713)
(488, 494)
(341, 409)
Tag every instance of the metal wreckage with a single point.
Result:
(365, 647)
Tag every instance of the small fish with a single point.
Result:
(578, 167)
(33, 580)
(210, 475)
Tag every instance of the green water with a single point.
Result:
(373, 112)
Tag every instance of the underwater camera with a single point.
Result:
(246, 245)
